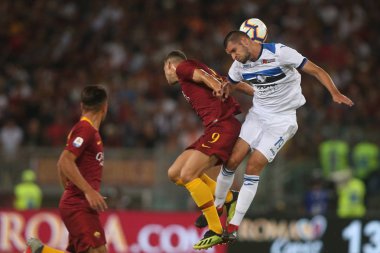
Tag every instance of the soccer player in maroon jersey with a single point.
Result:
(203, 89)
(80, 168)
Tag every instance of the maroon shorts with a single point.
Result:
(85, 229)
(218, 139)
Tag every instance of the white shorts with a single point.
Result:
(268, 133)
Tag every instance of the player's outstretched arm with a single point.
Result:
(66, 165)
(201, 76)
(244, 88)
(326, 80)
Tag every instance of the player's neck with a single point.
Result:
(93, 118)
(256, 51)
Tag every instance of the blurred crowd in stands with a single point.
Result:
(50, 49)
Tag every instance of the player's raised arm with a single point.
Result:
(201, 76)
(66, 165)
(326, 80)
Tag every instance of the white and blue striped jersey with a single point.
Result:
(274, 77)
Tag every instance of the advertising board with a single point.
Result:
(126, 232)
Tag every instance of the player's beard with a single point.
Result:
(245, 56)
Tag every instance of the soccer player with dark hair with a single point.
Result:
(203, 88)
(80, 169)
(272, 70)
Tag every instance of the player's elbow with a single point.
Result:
(60, 165)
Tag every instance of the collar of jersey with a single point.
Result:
(83, 118)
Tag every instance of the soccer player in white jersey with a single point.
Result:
(272, 69)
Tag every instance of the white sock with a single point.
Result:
(223, 185)
(246, 195)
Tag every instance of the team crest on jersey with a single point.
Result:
(266, 61)
(78, 142)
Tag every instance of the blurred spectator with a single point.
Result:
(11, 136)
(334, 156)
(317, 198)
(351, 195)
(27, 194)
(366, 157)
(33, 135)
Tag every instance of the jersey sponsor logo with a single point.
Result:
(266, 61)
(205, 146)
(78, 142)
(100, 158)
(261, 78)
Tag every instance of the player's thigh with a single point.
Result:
(275, 138)
(195, 164)
(256, 163)
(252, 129)
(101, 249)
(239, 151)
(174, 171)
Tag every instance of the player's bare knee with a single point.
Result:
(233, 163)
(187, 177)
(173, 175)
(254, 170)
(255, 167)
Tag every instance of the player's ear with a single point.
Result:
(245, 41)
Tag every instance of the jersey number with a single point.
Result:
(214, 137)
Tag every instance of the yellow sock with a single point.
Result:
(212, 185)
(202, 195)
(212, 218)
(209, 181)
(47, 249)
(229, 197)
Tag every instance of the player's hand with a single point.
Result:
(96, 200)
(342, 99)
(218, 92)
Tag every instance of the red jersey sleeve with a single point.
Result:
(79, 138)
(185, 70)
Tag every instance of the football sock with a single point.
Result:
(202, 195)
(246, 195)
(212, 185)
(209, 181)
(223, 185)
(47, 249)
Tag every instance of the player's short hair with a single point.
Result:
(176, 55)
(234, 36)
(93, 97)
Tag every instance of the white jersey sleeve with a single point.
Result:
(234, 75)
(290, 57)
